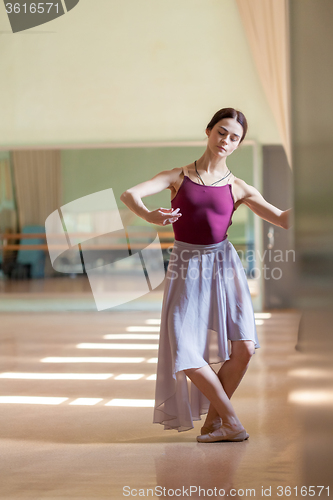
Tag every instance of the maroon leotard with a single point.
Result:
(206, 212)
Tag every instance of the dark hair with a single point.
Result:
(229, 113)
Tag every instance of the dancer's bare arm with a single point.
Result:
(251, 197)
(132, 197)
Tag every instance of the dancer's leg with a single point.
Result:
(231, 373)
(206, 380)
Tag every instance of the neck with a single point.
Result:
(212, 164)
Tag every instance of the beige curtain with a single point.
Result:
(37, 175)
(266, 24)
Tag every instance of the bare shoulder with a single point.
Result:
(242, 190)
(166, 179)
(176, 172)
(178, 175)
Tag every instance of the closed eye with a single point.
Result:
(233, 140)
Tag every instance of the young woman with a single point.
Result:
(206, 300)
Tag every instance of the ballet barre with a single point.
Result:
(5, 246)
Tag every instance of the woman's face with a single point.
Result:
(224, 137)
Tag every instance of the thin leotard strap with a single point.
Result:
(185, 171)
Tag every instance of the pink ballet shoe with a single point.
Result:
(212, 427)
(223, 434)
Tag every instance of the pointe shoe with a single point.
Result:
(223, 434)
(211, 428)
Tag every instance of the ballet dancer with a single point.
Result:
(206, 299)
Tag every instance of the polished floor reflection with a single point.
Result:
(76, 409)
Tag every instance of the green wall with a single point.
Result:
(87, 171)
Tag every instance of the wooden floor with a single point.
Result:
(84, 445)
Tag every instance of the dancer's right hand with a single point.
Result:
(161, 216)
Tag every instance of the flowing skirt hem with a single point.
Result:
(206, 305)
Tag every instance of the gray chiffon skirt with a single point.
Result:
(206, 304)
